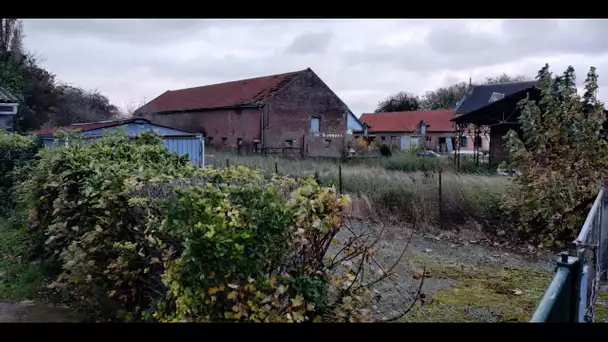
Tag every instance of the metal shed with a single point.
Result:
(178, 141)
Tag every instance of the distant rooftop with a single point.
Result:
(481, 95)
(7, 97)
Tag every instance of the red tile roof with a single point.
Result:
(435, 120)
(229, 94)
(88, 126)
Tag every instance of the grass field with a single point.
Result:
(379, 189)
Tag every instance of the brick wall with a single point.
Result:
(325, 144)
(498, 150)
(288, 116)
(231, 124)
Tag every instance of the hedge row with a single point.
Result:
(135, 232)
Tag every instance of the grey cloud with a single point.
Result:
(310, 43)
(119, 30)
(362, 60)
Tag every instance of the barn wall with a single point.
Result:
(289, 113)
(231, 124)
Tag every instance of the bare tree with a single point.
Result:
(504, 78)
(11, 36)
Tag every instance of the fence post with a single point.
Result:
(440, 203)
(340, 178)
(276, 167)
(227, 162)
(603, 243)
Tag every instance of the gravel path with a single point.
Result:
(456, 250)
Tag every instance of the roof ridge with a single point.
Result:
(240, 80)
(413, 111)
(501, 83)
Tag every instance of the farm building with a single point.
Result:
(432, 130)
(295, 111)
(178, 141)
(355, 125)
(8, 109)
(490, 110)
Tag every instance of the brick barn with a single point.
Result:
(295, 111)
(432, 130)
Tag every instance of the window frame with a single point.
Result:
(318, 120)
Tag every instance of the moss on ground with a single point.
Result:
(483, 292)
(601, 310)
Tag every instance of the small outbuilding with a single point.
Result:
(178, 141)
(9, 105)
(490, 110)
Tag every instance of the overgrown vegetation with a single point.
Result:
(379, 191)
(561, 157)
(130, 232)
(16, 151)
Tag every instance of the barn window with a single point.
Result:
(224, 140)
(315, 125)
(463, 141)
(290, 142)
(327, 142)
(422, 128)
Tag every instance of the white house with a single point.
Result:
(8, 109)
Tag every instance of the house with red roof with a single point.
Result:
(432, 130)
(294, 110)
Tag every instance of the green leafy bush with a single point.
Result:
(135, 232)
(80, 222)
(560, 158)
(16, 151)
(255, 257)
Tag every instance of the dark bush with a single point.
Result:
(16, 152)
(385, 151)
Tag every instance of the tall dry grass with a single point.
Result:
(393, 195)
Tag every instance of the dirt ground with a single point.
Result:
(469, 278)
(28, 311)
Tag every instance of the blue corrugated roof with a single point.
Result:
(479, 95)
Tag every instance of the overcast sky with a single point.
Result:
(363, 61)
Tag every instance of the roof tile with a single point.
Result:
(436, 121)
(229, 94)
(88, 126)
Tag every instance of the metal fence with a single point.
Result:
(571, 296)
(589, 250)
